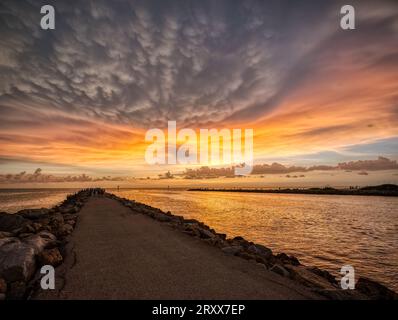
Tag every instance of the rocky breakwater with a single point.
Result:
(320, 281)
(32, 238)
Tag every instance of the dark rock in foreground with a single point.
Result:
(30, 239)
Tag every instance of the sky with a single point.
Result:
(80, 98)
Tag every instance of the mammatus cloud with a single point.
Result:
(85, 92)
(142, 62)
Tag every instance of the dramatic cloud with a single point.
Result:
(145, 62)
(85, 93)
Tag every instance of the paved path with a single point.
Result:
(116, 254)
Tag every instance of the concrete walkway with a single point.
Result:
(116, 254)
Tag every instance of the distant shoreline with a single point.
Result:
(385, 190)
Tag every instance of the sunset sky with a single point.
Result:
(79, 99)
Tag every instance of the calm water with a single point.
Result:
(326, 231)
(14, 200)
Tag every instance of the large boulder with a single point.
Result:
(33, 214)
(280, 270)
(285, 259)
(325, 274)
(18, 257)
(10, 222)
(232, 250)
(260, 250)
(70, 208)
(56, 219)
(309, 278)
(50, 257)
(17, 261)
(5, 234)
(64, 230)
(40, 241)
(161, 217)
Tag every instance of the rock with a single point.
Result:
(72, 223)
(44, 220)
(161, 217)
(280, 270)
(17, 261)
(17, 257)
(260, 250)
(37, 226)
(285, 259)
(57, 219)
(17, 290)
(69, 216)
(261, 266)
(307, 277)
(146, 211)
(3, 286)
(4, 241)
(206, 234)
(325, 274)
(294, 261)
(33, 214)
(10, 222)
(24, 235)
(70, 219)
(193, 229)
(4, 234)
(50, 256)
(178, 219)
(191, 221)
(232, 250)
(222, 236)
(239, 241)
(127, 204)
(40, 241)
(217, 242)
(27, 228)
(68, 209)
(65, 230)
(261, 260)
(245, 255)
(375, 290)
